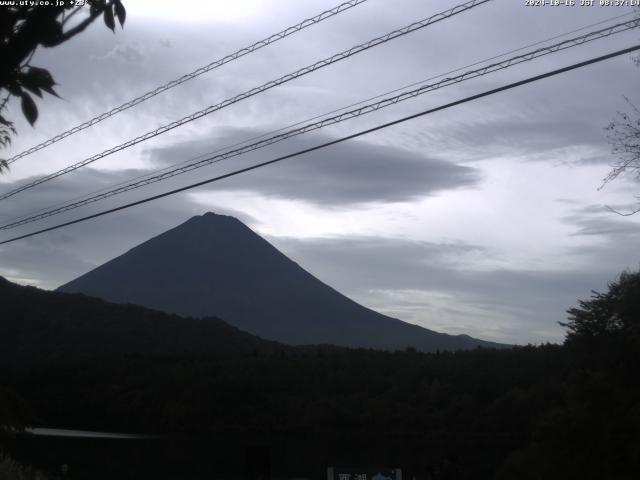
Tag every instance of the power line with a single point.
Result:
(189, 76)
(254, 91)
(333, 142)
(315, 117)
(479, 62)
(369, 108)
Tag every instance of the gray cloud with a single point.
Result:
(56, 257)
(65, 253)
(348, 173)
(600, 220)
(129, 54)
(601, 225)
(528, 135)
(616, 238)
(421, 272)
(447, 286)
(435, 284)
(404, 264)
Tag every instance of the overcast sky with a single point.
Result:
(483, 219)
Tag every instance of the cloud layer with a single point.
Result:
(482, 219)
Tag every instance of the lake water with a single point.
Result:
(230, 454)
(59, 432)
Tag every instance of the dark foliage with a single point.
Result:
(570, 412)
(595, 432)
(26, 26)
(603, 332)
(50, 326)
(14, 411)
(613, 313)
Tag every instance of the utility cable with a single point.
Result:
(315, 117)
(189, 76)
(369, 108)
(254, 91)
(333, 142)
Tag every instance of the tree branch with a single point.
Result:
(68, 17)
(81, 26)
(622, 214)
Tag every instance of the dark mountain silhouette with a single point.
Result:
(214, 265)
(38, 324)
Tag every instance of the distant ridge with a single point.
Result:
(38, 325)
(214, 265)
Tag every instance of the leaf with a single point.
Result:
(108, 19)
(35, 79)
(49, 33)
(29, 108)
(7, 125)
(42, 78)
(14, 88)
(33, 89)
(121, 13)
(5, 122)
(51, 91)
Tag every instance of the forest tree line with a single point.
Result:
(549, 411)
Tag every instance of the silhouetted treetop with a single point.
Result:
(607, 314)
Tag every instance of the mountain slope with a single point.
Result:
(38, 324)
(214, 265)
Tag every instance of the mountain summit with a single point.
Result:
(214, 265)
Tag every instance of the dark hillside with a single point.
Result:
(41, 324)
